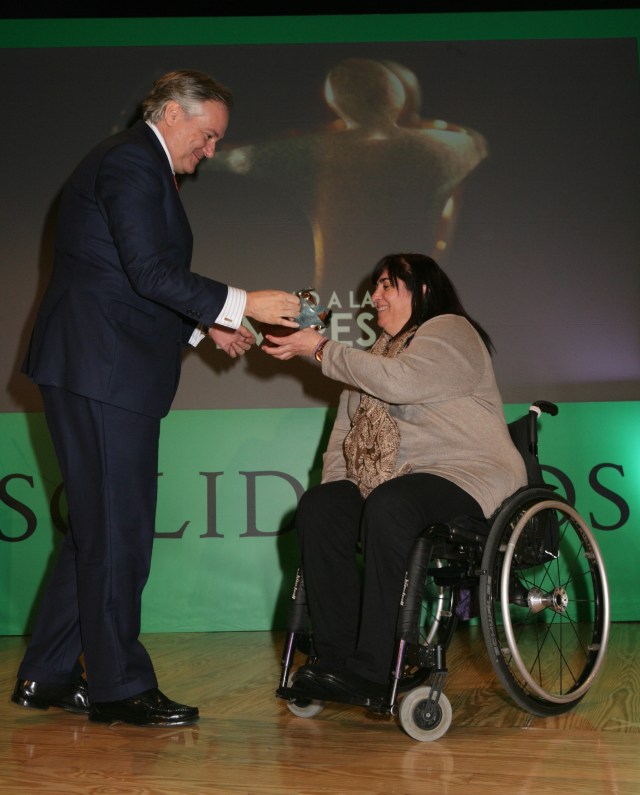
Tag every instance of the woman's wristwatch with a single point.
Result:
(317, 354)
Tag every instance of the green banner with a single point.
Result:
(229, 481)
(507, 25)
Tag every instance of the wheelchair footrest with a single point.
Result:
(378, 704)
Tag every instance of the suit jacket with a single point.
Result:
(121, 302)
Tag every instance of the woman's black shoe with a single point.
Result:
(340, 684)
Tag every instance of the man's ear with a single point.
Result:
(172, 113)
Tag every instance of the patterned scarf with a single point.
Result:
(371, 447)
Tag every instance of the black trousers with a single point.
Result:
(353, 601)
(92, 605)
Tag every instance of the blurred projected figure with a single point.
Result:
(380, 178)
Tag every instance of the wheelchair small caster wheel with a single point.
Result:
(304, 707)
(422, 718)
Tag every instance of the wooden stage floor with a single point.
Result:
(247, 741)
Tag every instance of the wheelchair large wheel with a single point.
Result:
(544, 605)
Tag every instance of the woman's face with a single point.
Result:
(392, 303)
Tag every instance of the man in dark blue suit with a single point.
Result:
(106, 353)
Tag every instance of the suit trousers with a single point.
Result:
(354, 558)
(108, 458)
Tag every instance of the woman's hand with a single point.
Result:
(300, 343)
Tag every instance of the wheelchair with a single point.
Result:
(532, 574)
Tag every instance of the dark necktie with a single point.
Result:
(175, 182)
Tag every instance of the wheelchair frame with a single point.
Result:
(536, 577)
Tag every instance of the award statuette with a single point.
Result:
(312, 314)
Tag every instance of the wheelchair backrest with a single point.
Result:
(521, 434)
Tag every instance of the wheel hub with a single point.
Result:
(427, 714)
(556, 600)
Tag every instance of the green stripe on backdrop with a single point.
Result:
(319, 29)
(225, 550)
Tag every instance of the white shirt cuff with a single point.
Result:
(197, 335)
(230, 316)
(233, 309)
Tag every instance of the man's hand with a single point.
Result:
(274, 307)
(235, 342)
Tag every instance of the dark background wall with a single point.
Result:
(545, 245)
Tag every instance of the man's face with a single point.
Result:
(191, 139)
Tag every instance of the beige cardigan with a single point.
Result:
(442, 392)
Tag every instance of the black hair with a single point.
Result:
(418, 271)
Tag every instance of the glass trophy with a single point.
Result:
(312, 314)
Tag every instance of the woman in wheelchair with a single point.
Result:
(419, 437)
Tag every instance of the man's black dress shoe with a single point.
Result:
(73, 697)
(151, 708)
